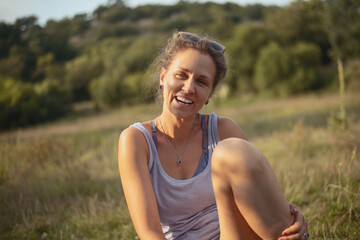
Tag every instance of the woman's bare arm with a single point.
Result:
(135, 178)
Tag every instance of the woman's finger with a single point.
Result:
(293, 208)
(293, 229)
(296, 236)
(297, 230)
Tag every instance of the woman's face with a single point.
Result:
(188, 82)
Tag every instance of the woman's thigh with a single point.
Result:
(250, 202)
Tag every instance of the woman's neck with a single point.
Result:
(179, 128)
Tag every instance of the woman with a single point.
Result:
(192, 176)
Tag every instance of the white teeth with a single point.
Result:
(184, 100)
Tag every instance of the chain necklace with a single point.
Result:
(171, 146)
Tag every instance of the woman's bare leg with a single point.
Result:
(250, 202)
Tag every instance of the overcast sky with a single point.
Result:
(10, 10)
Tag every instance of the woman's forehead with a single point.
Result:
(194, 61)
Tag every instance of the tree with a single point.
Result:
(342, 23)
(285, 71)
(244, 48)
(19, 64)
(272, 69)
(24, 23)
(22, 103)
(9, 36)
(304, 59)
(300, 21)
(81, 71)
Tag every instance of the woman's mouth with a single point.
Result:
(183, 100)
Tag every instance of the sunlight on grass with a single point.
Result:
(61, 181)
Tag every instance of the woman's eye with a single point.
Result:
(202, 82)
(180, 75)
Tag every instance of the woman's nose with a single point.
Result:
(189, 85)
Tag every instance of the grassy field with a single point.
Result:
(60, 180)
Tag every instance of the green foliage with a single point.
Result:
(287, 71)
(300, 21)
(47, 68)
(169, 25)
(343, 35)
(342, 25)
(305, 58)
(244, 47)
(272, 68)
(18, 103)
(54, 99)
(123, 61)
(24, 103)
(9, 36)
(107, 90)
(80, 71)
(118, 30)
(253, 12)
(116, 43)
(115, 14)
(79, 24)
(24, 23)
(18, 65)
(352, 75)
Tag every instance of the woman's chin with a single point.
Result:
(183, 111)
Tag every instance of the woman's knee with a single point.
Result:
(237, 156)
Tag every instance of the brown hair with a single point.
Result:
(203, 44)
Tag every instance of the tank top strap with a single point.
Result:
(151, 144)
(154, 132)
(213, 134)
(204, 139)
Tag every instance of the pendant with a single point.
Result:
(179, 161)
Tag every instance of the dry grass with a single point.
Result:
(60, 181)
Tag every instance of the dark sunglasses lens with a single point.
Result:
(191, 37)
(217, 47)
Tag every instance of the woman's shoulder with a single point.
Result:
(132, 145)
(227, 128)
(135, 130)
(133, 135)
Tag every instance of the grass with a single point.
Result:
(60, 180)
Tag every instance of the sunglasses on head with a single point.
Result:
(194, 38)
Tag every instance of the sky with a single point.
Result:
(10, 10)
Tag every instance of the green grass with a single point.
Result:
(60, 180)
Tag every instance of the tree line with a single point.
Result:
(104, 56)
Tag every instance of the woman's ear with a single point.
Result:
(212, 92)
(162, 76)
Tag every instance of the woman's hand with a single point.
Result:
(297, 231)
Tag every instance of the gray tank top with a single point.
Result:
(187, 208)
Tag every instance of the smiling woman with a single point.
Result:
(191, 176)
(190, 72)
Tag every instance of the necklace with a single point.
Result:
(179, 156)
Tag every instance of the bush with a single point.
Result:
(287, 71)
(272, 68)
(116, 30)
(107, 90)
(23, 104)
(18, 103)
(244, 48)
(54, 99)
(123, 78)
(352, 75)
(305, 58)
(80, 71)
